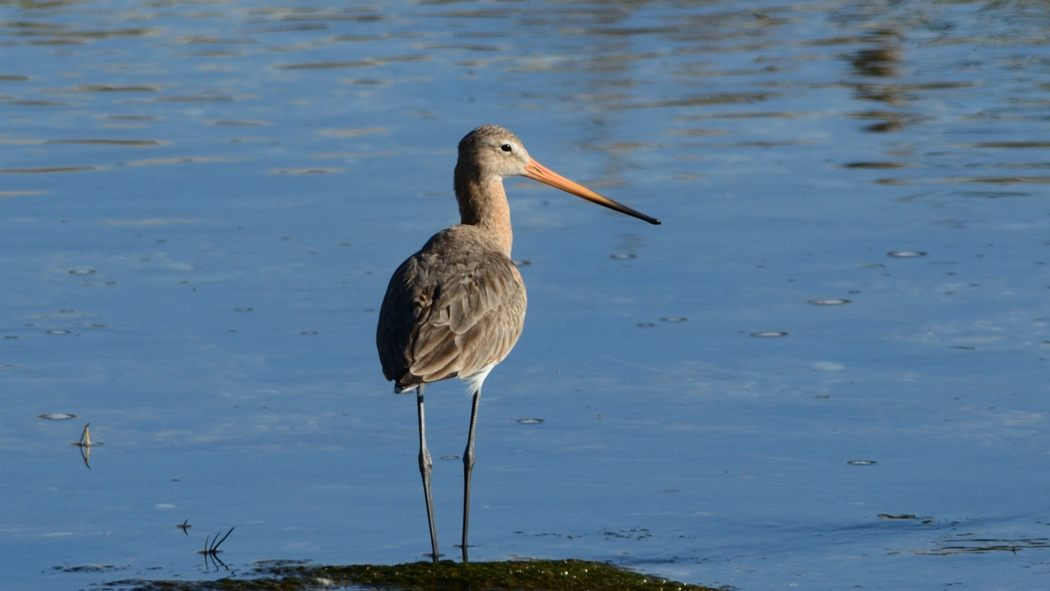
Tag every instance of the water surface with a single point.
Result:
(827, 369)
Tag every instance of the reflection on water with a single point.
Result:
(200, 203)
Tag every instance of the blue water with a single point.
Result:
(200, 206)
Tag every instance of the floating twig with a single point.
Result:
(85, 444)
(215, 547)
(212, 551)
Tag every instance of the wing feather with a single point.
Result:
(452, 309)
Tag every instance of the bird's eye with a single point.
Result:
(507, 148)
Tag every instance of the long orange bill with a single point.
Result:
(538, 172)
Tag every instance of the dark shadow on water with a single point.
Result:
(445, 575)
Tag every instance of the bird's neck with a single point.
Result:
(483, 203)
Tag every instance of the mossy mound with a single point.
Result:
(537, 575)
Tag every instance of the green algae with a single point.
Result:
(537, 575)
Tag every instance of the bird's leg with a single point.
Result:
(425, 464)
(468, 467)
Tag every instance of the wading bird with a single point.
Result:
(456, 307)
